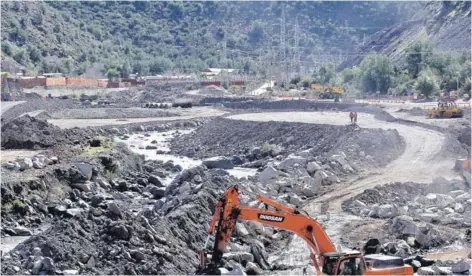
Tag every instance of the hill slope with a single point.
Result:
(183, 36)
(446, 24)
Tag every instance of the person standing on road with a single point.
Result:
(351, 115)
(355, 117)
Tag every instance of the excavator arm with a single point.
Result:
(228, 211)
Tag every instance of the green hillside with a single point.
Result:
(155, 37)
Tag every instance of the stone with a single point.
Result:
(449, 210)
(403, 225)
(159, 204)
(197, 179)
(37, 265)
(241, 230)
(114, 209)
(308, 191)
(441, 270)
(156, 180)
(462, 198)
(305, 153)
(295, 200)
(253, 269)
(25, 163)
(459, 208)
(95, 142)
(312, 167)
(218, 162)
(239, 256)
(97, 199)
(22, 231)
(455, 193)
(387, 211)
(90, 262)
(443, 201)
(54, 159)
(84, 187)
(70, 272)
(426, 271)
(462, 266)
(158, 192)
(431, 197)
(425, 235)
(120, 232)
(151, 147)
(85, 169)
(103, 183)
(137, 255)
(37, 164)
(72, 212)
(268, 174)
(290, 161)
(428, 217)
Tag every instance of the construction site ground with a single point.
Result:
(405, 148)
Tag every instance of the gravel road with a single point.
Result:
(420, 162)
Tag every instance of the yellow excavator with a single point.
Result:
(328, 92)
(445, 110)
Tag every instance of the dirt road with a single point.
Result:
(420, 162)
(185, 114)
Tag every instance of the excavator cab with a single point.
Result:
(337, 263)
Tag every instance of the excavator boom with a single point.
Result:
(323, 252)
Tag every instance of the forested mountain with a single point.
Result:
(153, 37)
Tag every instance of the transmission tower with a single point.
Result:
(283, 57)
(296, 54)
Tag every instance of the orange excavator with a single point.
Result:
(325, 258)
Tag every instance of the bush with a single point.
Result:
(427, 83)
(113, 74)
(377, 74)
(6, 48)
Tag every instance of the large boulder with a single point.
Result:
(25, 163)
(443, 201)
(426, 236)
(387, 211)
(342, 161)
(290, 161)
(239, 256)
(461, 267)
(312, 167)
(268, 174)
(218, 162)
(403, 225)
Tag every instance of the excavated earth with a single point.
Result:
(108, 210)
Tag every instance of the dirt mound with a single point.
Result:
(233, 137)
(415, 111)
(30, 133)
(213, 90)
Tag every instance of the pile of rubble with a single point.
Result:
(225, 137)
(27, 132)
(443, 202)
(38, 162)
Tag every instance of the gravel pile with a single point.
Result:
(110, 113)
(415, 111)
(427, 214)
(233, 137)
(213, 90)
(30, 133)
